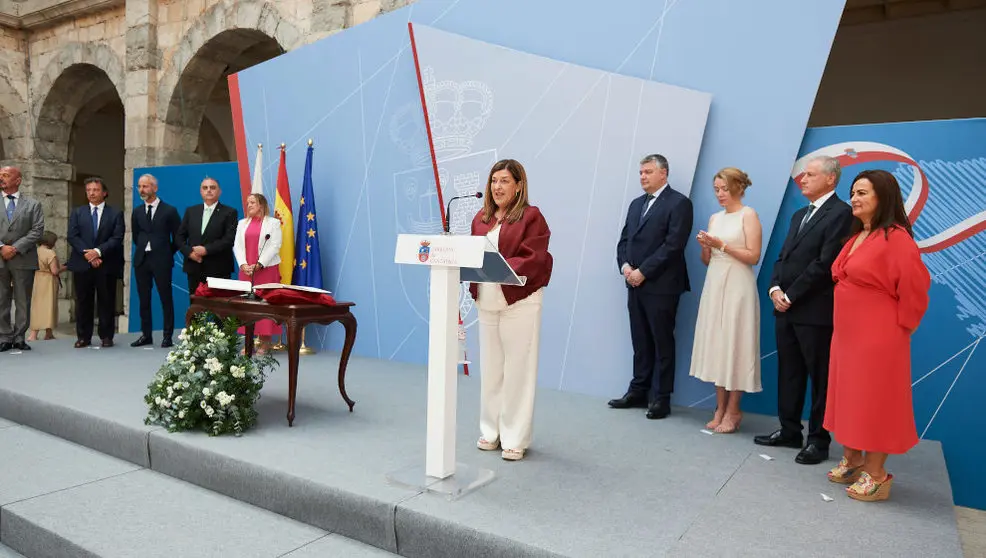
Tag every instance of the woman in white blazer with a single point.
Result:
(257, 249)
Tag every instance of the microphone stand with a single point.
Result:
(253, 276)
(448, 210)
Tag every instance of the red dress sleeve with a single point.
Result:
(532, 258)
(912, 278)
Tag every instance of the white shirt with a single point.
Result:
(647, 206)
(818, 205)
(6, 200)
(153, 205)
(99, 219)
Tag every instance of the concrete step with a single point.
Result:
(61, 499)
(7, 552)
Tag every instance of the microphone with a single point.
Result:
(253, 276)
(448, 208)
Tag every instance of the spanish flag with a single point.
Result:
(283, 213)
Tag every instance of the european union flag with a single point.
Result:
(308, 259)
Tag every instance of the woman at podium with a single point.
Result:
(257, 248)
(510, 316)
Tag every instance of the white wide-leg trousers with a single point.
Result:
(509, 337)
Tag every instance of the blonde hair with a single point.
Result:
(262, 202)
(737, 181)
(515, 211)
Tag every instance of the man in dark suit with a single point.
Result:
(22, 222)
(802, 293)
(651, 256)
(206, 237)
(154, 227)
(95, 235)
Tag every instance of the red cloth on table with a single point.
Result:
(881, 293)
(204, 290)
(272, 274)
(288, 296)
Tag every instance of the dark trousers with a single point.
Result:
(17, 286)
(95, 293)
(194, 280)
(148, 276)
(802, 353)
(652, 320)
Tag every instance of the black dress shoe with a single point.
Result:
(629, 401)
(21, 346)
(167, 343)
(82, 344)
(141, 341)
(812, 455)
(777, 439)
(6, 346)
(657, 411)
(107, 343)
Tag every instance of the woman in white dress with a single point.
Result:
(727, 334)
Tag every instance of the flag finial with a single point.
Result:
(310, 142)
(260, 146)
(283, 146)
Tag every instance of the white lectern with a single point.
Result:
(451, 259)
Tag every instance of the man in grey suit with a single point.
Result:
(22, 223)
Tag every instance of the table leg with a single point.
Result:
(294, 348)
(349, 321)
(248, 341)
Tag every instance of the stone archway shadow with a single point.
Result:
(223, 40)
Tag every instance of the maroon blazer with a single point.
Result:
(524, 244)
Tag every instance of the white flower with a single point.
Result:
(181, 414)
(188, 353)
(212, 383)
(184, 385)
(202, 404)
(157, 400)
(209, 411)
(178, 400)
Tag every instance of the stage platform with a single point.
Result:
(596, 482)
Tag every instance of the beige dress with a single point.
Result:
(727, 333)
(44, 297)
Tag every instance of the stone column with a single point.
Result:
(143, 63)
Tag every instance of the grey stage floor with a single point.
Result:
(596, 482)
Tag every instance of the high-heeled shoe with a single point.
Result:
(868, 489)
(844, 474)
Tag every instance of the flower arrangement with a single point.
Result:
(206, 384)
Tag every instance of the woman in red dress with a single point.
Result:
(881, 293)
(510, 316)
(258, 251)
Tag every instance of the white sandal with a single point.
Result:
(512, 454)
(487, 445)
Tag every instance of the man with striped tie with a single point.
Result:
(22, 223)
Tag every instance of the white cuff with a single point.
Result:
(624, 268)
(98, 252)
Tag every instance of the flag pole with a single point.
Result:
(279, 346)
(305, 349)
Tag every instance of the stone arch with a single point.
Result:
(77, 78)
(223, 40)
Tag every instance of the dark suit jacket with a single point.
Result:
(108, 239)
(217, 240)
(524, 245)
(161, 232)
(657, 246)
(804, 267)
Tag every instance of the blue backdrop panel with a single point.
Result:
(179, 186)
(947, 369)
(578, 132)
(356, 95)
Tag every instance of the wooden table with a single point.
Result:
(294, 317)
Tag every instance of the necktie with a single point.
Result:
(811, 209)
(647, 201)
(11, 207)
(95, 221)
(149, 207)
(206, 215)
